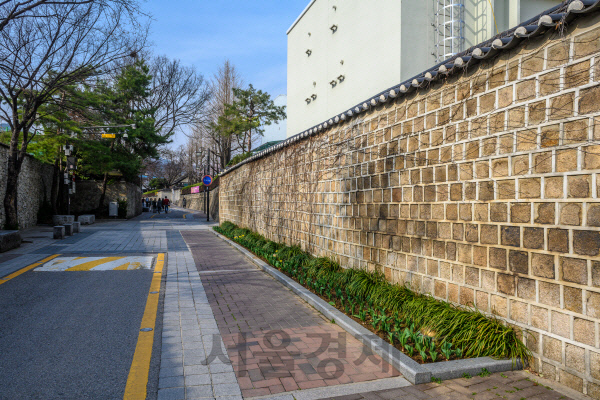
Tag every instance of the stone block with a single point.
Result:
(497, 258)
(549, 294)
(579, 186)
(561, 324)
(526, 289)
(572, 381)
(542, 265)
(593, 304)
(510, 236)
(570, 214)
(62, 219)
(506, 284)
(518, 261)
(586, 242)
(9, 240)
(558, 240)
(544, 213)
(520, 212)
(518, 312)
(574, 270)
(539, 317)
(593, 215)
(68, 229)
(572, 299)
(584, 332)
(554, 187)
(76, 227)
(59, 232)
(552, 348)
(533, 238)
(595, 364)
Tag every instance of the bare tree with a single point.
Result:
(221, 86)
(179, 95)
(65, 44)
(18, 9)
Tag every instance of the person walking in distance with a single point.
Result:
(184, 202)
(166, 203)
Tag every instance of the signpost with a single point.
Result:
(207, 180)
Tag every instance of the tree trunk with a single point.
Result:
(55, 187)
(11, 197)
(103, 195)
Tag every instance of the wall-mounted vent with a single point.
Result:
(333, 28)
(308, 52)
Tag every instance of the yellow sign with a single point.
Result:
(108, 135)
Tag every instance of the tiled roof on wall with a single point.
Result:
(550, 19)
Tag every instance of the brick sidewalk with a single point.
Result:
(276, 342)
(517, 385)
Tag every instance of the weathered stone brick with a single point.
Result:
(574, 270)
(499, 305)
(489, 234)
(586, 242)
(595, 364)
(596, 273)
(552, 348)
(575, 357)
(549, 293)
(558, 240)
(583, 331)
(526, 288)
(518, 261)
(510, 236)
(506, 189)
(589, 100)
(586, 44)
(497, 258)
(498, 212)
(486, 191)
(544, 213)
(506, 284)
(573, 299)
(467, 296)
(554, 187)
(539, 318)
(529, 188)
(570, 214)
(526, 90)
(500, 167)
(518, 311)
(542, 265)
(527, 140)
(520, 212)
(575, 131)
(533, 238)
(578, 186)
(566, 160)
(572, 381)
(550, 83)
(591, 157)
(593, 304)
(561, 324)
(537, 112)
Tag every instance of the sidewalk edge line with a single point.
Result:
(415, 373)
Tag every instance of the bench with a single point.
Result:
(86, 219)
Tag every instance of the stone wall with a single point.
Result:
(35, 184)
(87, 196)
(481, 190)
(196, 202)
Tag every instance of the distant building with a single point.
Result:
(342, 52)
(276, 132)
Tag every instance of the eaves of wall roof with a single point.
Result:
(561, 14)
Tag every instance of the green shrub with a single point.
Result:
(238, 159)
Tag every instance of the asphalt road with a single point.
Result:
(72, 335)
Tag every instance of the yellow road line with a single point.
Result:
(122, 267)
(23, 270)
(154, 216)
(137, 381)
(86, 266)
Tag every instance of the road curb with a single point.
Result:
(413, 371)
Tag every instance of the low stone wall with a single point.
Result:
(87, 196)
(35, 184)
(481, 189)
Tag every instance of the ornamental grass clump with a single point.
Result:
(426, 329)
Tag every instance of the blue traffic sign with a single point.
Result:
(207, 180)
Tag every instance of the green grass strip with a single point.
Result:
(477, 334)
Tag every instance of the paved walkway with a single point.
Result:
(276, 341)
(229, 331)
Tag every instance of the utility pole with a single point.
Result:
(207, 188)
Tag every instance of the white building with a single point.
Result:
(342, 52)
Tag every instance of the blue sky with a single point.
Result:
(250, 33)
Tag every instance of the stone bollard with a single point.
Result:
(59, 232)
(68, 229)
(76, 227)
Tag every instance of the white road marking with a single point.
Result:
(125, 263)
